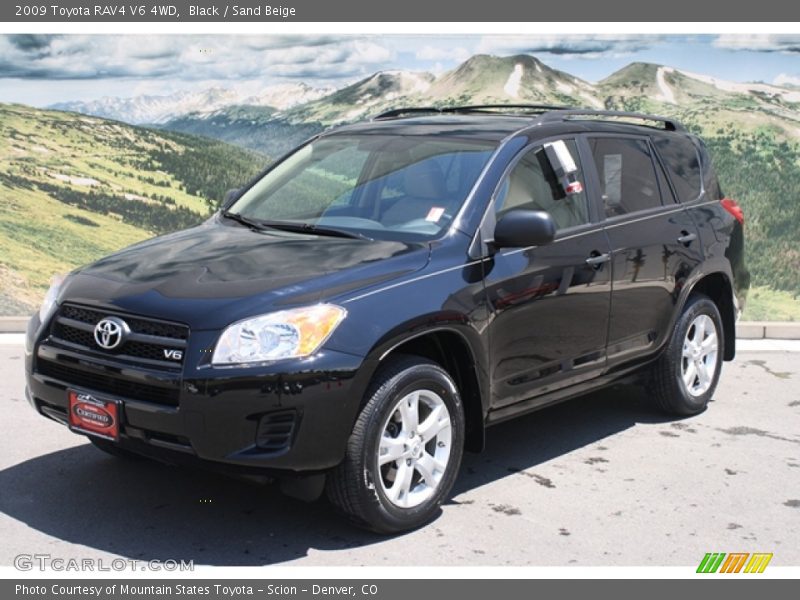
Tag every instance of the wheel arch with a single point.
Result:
(717, 286)
(450, 349)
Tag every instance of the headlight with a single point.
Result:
(286, 334)
(49, 302)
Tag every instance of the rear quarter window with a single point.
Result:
(710, 181)
(628, 178)
(682, 162)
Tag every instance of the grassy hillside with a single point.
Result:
(765, 304)
(73, 188)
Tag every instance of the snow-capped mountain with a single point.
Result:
(278, 117)
(161, 109)
(286, 95)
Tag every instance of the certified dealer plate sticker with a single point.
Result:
(94, 416)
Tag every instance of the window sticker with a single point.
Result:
(612, 176)
(435, 214)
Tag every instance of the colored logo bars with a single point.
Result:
(714, 562)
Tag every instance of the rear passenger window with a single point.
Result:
(533, 184)
(680, 158)
(628, 177)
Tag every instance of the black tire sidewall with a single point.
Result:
(423, 376)
(695, 307)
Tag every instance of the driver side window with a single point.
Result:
(534, 184)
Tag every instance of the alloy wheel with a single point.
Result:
(699, 356)
(414, 448)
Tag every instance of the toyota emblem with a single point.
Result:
(109, 332)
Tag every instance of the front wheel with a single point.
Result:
(405, 450)
(687, 373)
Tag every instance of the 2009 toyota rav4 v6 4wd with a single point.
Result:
(355, 317)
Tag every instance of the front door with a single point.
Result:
(550, 303)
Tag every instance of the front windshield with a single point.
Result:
(380, 186)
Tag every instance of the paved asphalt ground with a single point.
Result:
(602, 480)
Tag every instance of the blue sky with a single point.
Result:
(44, 69)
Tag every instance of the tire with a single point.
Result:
(113, 449)
(687, 372)
(394, 478)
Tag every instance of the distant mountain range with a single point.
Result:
(480, 79)
(752, 129)
(154, 110)
(281, 116)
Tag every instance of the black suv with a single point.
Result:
(356, 316)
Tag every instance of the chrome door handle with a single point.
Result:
(598, 259)
(687, 238)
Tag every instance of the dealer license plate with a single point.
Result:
(94, 416)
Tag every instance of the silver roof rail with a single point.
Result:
(510, 109)
(564, 115)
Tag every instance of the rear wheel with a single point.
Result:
(405, 450)
(687, 373)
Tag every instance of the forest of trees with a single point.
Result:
(206, 168)
(152, 216)
(763, 175)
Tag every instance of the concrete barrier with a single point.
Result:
(770, 330)
(782, 331)
(13, 324)
(750, 330)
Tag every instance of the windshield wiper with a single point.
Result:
(251, 223)
(314, 229)
(261, 225)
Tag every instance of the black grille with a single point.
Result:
(107, 383)
(146, 345)
(73, 335)
(137, 325)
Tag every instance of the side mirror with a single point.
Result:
(522, 228)
(231, 196)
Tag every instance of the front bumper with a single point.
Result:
(286, 416)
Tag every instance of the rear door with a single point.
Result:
(653, 242)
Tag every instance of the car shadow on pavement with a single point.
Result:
(523, 443)
(144, 510)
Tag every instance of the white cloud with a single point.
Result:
(436, 53)
(759, 43)
(583, 46)
(188, 58)
(784, 80)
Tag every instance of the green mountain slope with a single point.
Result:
(485, 79)
(753, 134)
(73, 188)
(259, 128)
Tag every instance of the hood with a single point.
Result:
(219, 272)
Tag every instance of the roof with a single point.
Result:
(492, 128)
(482, 123)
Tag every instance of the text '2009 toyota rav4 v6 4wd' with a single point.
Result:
(356, 316)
